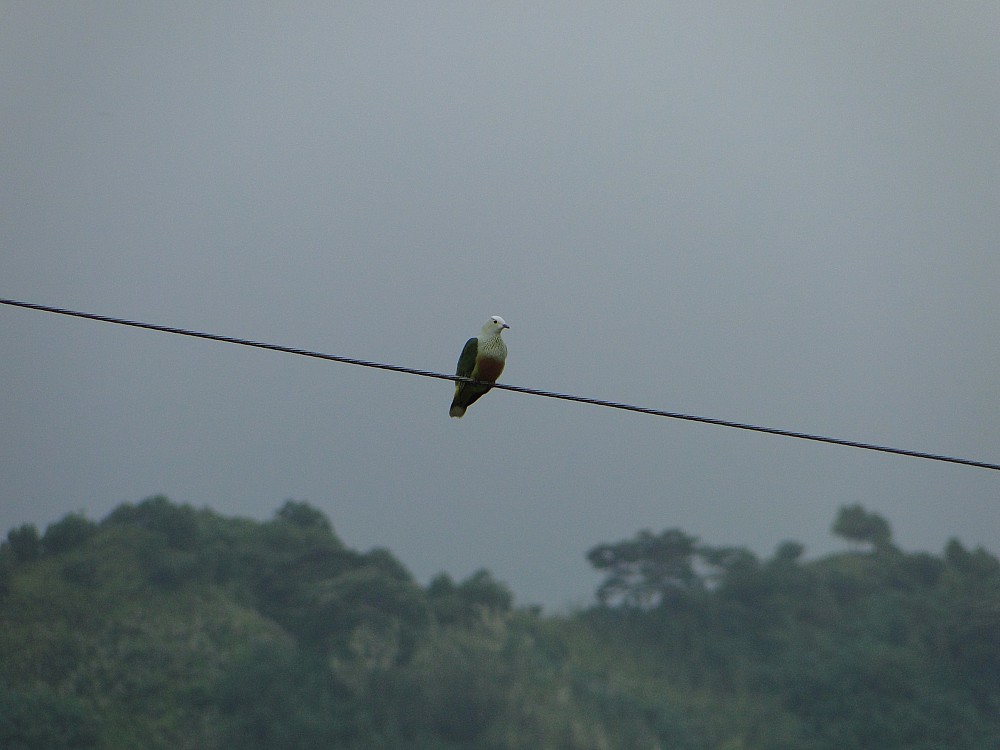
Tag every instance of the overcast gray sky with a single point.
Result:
(780, 213)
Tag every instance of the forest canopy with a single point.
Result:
(167, 626)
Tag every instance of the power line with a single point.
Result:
(505, 387)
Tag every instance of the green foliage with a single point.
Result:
(165, 626)
(890, 650)
(39, 719)
(469, 600)
(789, 552)
(482, 590)
(303, 515)
(647, 570)
(855, 523)
(275, 697)
(72, 531)
(23, 543)
(176, 525)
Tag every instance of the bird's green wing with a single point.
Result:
(467, 361)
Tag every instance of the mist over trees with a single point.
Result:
(166, 626)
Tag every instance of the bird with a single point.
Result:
(482, 358)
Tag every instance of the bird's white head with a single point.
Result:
(494, 325)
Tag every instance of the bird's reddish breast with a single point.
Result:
(488, 368)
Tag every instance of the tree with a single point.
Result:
(856, 524)
(789, 552)
(467, 601)
(277, 698)
(40, 719)
(647, 570)
(72, 531)
(176, 524)
(23, 543)
(302, 514)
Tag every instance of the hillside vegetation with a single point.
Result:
(165, 626)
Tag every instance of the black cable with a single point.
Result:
(502, 386)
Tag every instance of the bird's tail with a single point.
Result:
(458, 403)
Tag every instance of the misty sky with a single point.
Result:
(779, 213)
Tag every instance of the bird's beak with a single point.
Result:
(504, 326)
